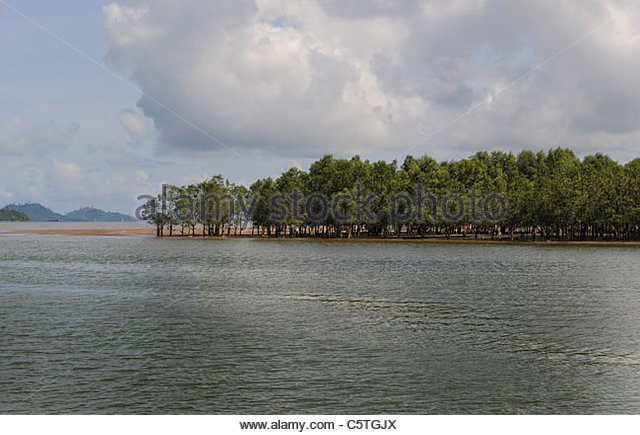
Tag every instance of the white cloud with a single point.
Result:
(139, 127)
(304, 78)
(33, 176)
(36, 140)
(237, 71)
(6, 194)
(142, 176)
(68, 172)
(30, 183)
(132, 123)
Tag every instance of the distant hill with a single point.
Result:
(13, 216)
(36, 212)
(40, 213)
(89, 214)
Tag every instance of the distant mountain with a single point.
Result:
(13, 216)
(36, 212)
(89, 214)
(40, 213)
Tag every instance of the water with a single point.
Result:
(143, 325)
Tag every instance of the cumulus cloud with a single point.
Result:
(33, 176)
(304, 78)
(139, 127)
(253, 77)
(68, 171)
(6, 194)
(30, 182)
(17, 140)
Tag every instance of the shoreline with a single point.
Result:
(150, 232)
(94, 232)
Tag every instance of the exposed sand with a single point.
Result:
(136, 229)
(88, 231)
(151, 232)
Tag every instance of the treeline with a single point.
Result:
(552, 195)
(13, 216)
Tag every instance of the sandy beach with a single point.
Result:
(92, 229)
(90, 232)
(97, 229)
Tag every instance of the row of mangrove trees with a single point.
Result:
(552, 195)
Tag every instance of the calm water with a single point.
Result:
(141, 325)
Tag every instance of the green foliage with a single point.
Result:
(89, 214)
(36, 212)
(13, 216)
(553, 195)
(40, 213)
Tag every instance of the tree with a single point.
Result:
(553, 194)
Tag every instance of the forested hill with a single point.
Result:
(36, 212)
(89, 214)
(13, 216)
(40, 213)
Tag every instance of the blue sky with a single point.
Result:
(282, 83)
(41, 77)
(43, 82)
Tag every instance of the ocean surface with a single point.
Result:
(145, 325)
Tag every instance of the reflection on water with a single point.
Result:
(142, 325)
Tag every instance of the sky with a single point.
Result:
(102, 101)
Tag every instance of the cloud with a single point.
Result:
(33, 176)
(303, 78)
(6, 194)
(249, 78)
(68, 172)
(42, 139)
(30, 183)
(139, 127)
